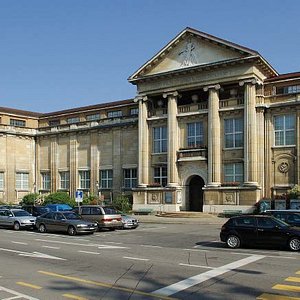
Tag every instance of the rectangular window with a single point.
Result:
(1, 180)
(160, 139)
(285, 128)
(73, 120)
(93, 117)
(114, 114)
(64, 180)
(234, 133)
(130, 178)
(46, 181)
(54, 122)
(134, 111)
(18, 123)
(234, 172)
(195, 134)
(22, 181)
(84, 180)
(161, 175)
(106, 179)
(292, 89)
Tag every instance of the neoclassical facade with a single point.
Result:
(213, 126)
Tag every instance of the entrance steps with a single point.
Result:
(185, 214)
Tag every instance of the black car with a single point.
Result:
(260, 230)
(291, 217)
(36, 210)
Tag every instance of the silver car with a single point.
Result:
(129, 222)
(16, 219)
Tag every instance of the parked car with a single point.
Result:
(36, 210)
(16, 218)
(59, 207)
(106, 216)
(260, 230)
(291, 217)
(64, 221)
(129, 222)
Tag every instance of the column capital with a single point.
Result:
(252, 81)
(171, 93)
(140, 98)
(210, 87)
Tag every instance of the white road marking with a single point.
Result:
(273, 256)
(84, 245)
(20, 243)
(152, 228)
(150, 246)
(51, 247)
(114, 243)
(88, 252)
(33, 254)
(136, 258)
(196, 250)
(17, 294)
(194, 280)
(196, 266)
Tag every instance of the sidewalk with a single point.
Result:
(171, 219)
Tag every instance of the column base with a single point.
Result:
(250, 183)
(172, 184)
(214, 184)
(142, 185)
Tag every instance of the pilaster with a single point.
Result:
(73, 165)
(94, 164)
(53, 164)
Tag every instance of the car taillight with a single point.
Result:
(106, 220)
(119, 219)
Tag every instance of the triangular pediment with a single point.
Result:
(192, 48)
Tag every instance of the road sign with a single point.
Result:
(79, 196)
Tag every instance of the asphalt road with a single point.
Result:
(154, 261)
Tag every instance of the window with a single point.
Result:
(234, 133)
(46, 181)
(22, 181)
(130, 178)
(19, 123)
(234, 172)
(159, 139)
(106, 177)
(284, 130)
(1, 180)
(114, 114)
(160, 175)
(134, 111)
(54, 122)
(64, 180)
(93, 117)
(195, 134)
(288, 89)
(73, 120)
(84, 180)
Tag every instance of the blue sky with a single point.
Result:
(60, 54)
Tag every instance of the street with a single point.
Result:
(154, 261)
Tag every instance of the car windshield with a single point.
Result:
(71, 216)
(21, 213)
(281, 223)
(110, 211)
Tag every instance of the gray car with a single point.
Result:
(16, 219)
(129, 222)
(64, 221)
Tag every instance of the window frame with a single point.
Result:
(106, 179)
(84, 179)
(23, 181)
(195, 136)
(45, 181)
(160, 175)
(64, 181)
(280, 134)
(160, 139)
(130, 181)
(2, 181)
(234, 176)
(234, 133)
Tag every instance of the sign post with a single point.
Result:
(79, 199)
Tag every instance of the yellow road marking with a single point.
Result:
(71, 296)
(284, 287)
(111, 286)
(33, 286)
(298, 272)
(266, 296)
(293, 279)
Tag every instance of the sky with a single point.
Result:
(61, 54)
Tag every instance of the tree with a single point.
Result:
(294, 193)
(59, 198)
(29, 199)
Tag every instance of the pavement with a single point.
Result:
(182, 218)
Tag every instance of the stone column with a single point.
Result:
(214, 136)
(143, 152)
(53, 164)
(172, 138)
(250, 137)
(94, 163)
(73, 164)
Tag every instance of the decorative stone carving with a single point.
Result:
(187, 55)
(229, 198)
(283, 167)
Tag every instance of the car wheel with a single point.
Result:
(71, 230)
(233, 241)
(294, 244)
(42, 228)
(16, 226)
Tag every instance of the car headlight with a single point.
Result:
(81, 225)
(26, 221)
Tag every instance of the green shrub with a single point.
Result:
(30, 199)
(122, 203)
(294, 193)
(59, 197)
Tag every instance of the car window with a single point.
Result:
(59, 216)
(85, 211)
(293, 218)
(245, 221)
(49, 215)
(2, 213)
(71, 216)
(96, 211)
(265, 223)
(21, 213)
(110, 211)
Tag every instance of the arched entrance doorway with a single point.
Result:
(196, 193)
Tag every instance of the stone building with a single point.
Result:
(213, 126)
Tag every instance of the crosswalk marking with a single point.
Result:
(285, 287)
(33, 286)
(293, 279)
(266, 296)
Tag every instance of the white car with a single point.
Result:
(129, 222)
(16, 219)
